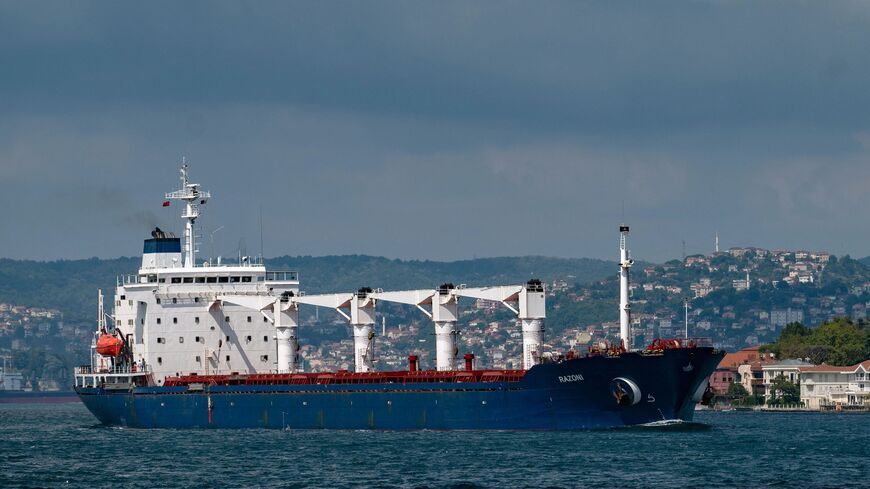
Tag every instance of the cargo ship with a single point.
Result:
(197, 344)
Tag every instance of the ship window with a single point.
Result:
(176, 280)
(211, 280)
(198, 359)
(152, 278)
(266, 339)
(174, 300)
(141, 320)
(117, 303)
(196, 320)
(188, 280)
(227, 318)
(200, 280)
(260, 278)
(161, 280)
(158, 300)
(130, 302)
(123, 297)
(118, 322)
(199, 339)
(174, 320)
(196, 299)
(223, 280)
(159, 360)
(158, 320)
(181, 339)
(161, 340)
(129, 322)
(246, 279)
(228, 338)
(235, 279)
(264, 358)
(228, 358)
(249, 319)
(248, 339)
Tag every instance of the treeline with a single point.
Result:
(839, 342)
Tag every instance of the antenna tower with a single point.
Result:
(193, 198)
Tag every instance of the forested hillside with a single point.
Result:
(70, 286)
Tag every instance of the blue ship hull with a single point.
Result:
(572, 394)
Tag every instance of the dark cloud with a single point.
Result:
(440, 129)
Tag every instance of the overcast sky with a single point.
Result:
(436, 130)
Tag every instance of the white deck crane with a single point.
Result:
(530, 310)
(443, 312)
(529, 300)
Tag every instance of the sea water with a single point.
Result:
(62, 445)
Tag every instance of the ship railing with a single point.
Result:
(129, 279)
(119, 370)
(282, 276)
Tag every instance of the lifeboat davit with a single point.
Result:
(109, 345)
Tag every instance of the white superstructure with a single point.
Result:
(180, 317)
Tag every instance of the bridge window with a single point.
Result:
(200, 280)
(188, 280)
(246, 279)
(211, 280)
(161, 280)
(176, 280)
(223, 280)
(235, 279)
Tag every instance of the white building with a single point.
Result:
(789, 369)
(827, 385)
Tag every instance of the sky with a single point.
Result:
(436, 130)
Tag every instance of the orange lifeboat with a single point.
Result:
(109, 346)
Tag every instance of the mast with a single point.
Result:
(625, 263)
(193, 197)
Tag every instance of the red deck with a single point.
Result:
(399, 377)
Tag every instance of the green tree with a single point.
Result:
(784, 392)
(737, 391)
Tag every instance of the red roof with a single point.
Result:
(834, 368)
(742, 357)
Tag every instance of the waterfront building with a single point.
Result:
(789, 369)
(828, 385)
